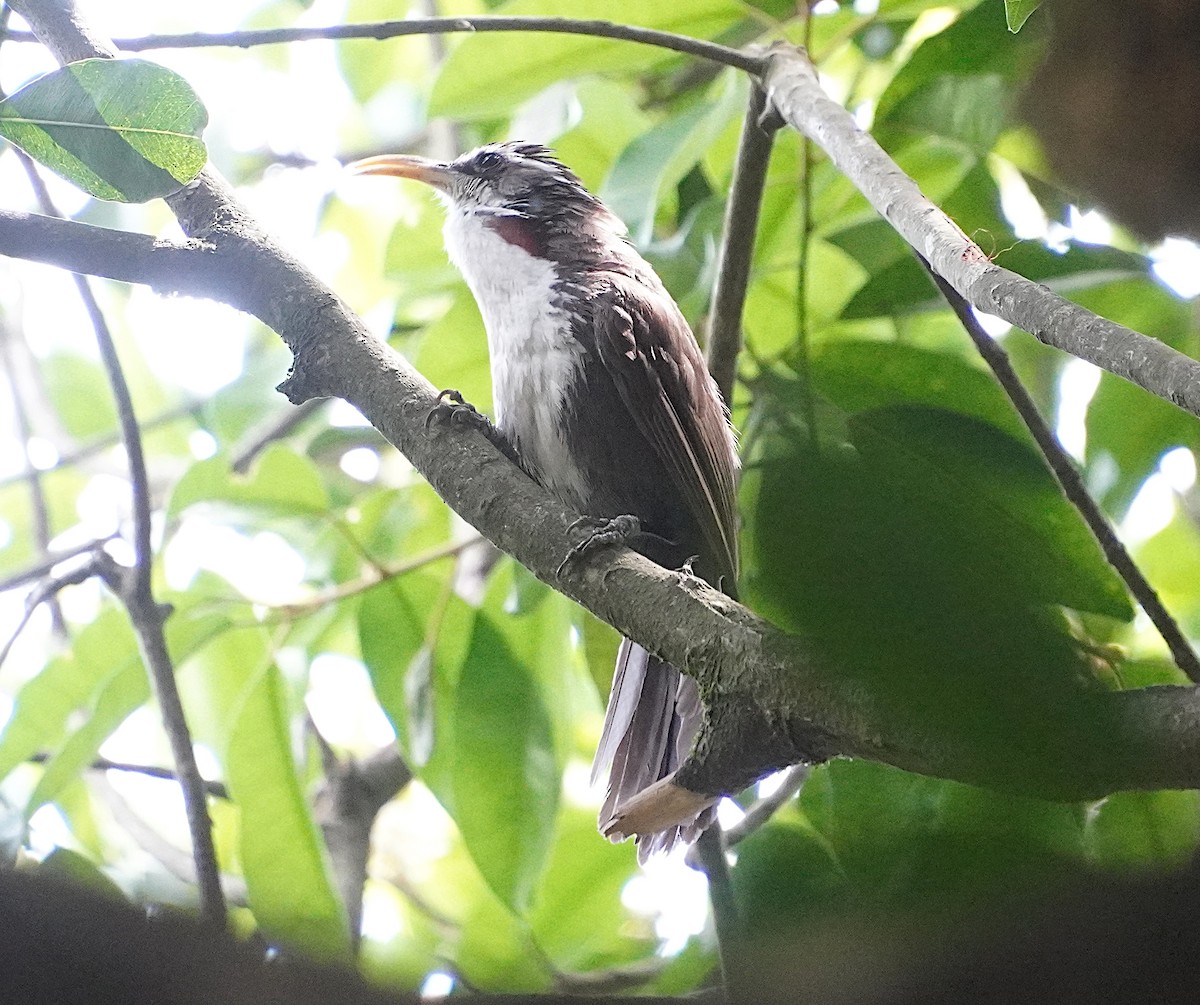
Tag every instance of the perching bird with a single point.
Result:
(603, 396)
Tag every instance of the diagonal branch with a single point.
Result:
(1071, 481)
(791, 83)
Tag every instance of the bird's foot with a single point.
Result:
(601, 533)
(452, 408)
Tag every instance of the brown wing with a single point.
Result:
(648, 350)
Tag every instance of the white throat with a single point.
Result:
(534, 356)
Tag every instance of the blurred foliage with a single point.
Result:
(894, 509)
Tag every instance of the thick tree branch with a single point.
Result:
(345, 807)
(773, 699)
(379, 30)
(792, 86)
(166, 267)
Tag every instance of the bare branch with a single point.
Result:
(792, 85)
(1071, 481)
(275, 428)
(737, 247)
(765, 808)
(345, 807)
(134, 586)
(48, 589)
(113, 254)
(44, 567)
(374, 577)
(215, 789)
(380, 30)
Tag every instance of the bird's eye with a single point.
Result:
(487, 160)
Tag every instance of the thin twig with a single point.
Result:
(47, 590)
(380, 30)
(276, 428)
(1071, 481)
(46, 565)
(737, 246)
(134, 588)
(215, 789)
(101, 443)
(766, 807)
(30, 474)
(374, 577)
(803, 332)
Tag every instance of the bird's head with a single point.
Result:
(515, 181)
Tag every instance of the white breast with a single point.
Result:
(533, 354)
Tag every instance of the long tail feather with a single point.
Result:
(653, 715)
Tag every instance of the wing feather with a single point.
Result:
(649, 352)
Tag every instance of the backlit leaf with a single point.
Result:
(124, 130)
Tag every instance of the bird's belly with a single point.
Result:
(529, 390)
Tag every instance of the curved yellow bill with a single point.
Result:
(431, 172)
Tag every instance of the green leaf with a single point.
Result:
(1171, 561)
(453, 351)
(970, 110)
(1145, 829)
(1016, 12)
(490, 74)
(923, 551)
(975, 44)
(892, 839)
(506, 781)
(288, 878)
(580, 893)
(70, 684)
(995, 496)
(413, 634)
(861, 375)
(80, 394)
(281, 482)
(121, 691)
(785, 871)
(65, 864)
(656, 161)
(124, 130)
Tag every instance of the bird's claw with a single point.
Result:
(602, 533)
(452, 407)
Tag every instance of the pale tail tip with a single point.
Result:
(656, 808)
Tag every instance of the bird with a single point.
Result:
(601, 394)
